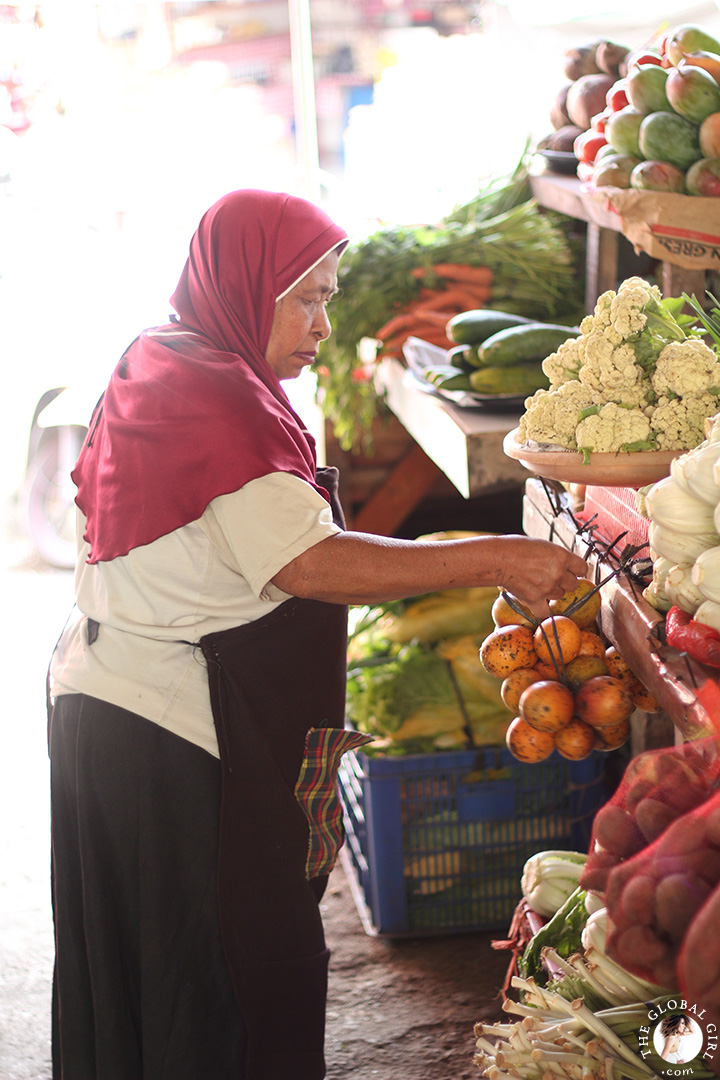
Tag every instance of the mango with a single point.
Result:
(657, 176)
(615, 171)
(646, 89)
(687, 38)
(707, 60)
(703, 178)
(622, 131)
(709, 136)
(692, 92)
(669, 137)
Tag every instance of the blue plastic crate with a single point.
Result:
(436, 843)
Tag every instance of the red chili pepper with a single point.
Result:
(700, 642)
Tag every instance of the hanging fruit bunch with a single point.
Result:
(569, 691)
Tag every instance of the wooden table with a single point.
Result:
(565, 195)
(628, 621)
(464, 444)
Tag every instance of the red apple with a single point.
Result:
(598, 122)
(643, 56)
(617, 98)
(587, 145)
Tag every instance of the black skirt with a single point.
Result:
(142, 989)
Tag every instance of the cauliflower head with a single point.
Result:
(679, 424)
(627, 315)
(551, 416)
(608, 369)
(613, 428)
(563, 365)
(686, 367)
(600, 318)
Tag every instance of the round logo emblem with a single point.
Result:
(679, 1039)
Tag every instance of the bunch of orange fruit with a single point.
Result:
(570, 692)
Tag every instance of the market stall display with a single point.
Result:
(504, 253)
(565, 688)
(610, 932)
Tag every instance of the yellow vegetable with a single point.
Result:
(443, 615)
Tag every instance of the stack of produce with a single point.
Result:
(639, 377)
(570, 692)
(414, 681)
(496, 352)
(576, 1012)
(659, 129)
(655, 859)
(499, 251)
(590, 70)
(684, 536)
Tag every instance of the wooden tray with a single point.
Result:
(605, 470)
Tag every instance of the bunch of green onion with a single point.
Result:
(561, 1035)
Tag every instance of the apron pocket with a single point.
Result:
(317, 792)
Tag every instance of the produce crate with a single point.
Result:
(615, 512)
(436, 843)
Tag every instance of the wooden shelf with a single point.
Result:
(466, 444)
(627, 620)
(565, 195)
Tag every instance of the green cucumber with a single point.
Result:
(510, 379)
(474, 327)
(520, 344)
(459, 357)
(447, 377)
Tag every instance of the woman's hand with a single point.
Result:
(535, 571)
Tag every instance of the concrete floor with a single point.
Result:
(35, 602)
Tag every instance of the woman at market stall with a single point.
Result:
(197, 691)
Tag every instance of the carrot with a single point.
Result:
(478, 275)
(439, 318)
(464, 301)
(397, 322)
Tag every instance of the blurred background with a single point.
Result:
(121, 122)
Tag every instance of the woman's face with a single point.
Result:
(300, 322)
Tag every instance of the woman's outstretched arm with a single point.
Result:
(361, 568)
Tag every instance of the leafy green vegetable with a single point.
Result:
(710, 321)
(640, 444)
(663, 325)
(563, 933)
(383, 695)
(529, 250)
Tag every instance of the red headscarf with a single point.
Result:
(194, 410)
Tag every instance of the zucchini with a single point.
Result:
(459, 357)
(474, 327)
(519, 344)
(447, 377)
(510, 379)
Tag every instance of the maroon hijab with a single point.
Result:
(193, 410)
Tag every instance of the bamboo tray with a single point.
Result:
(604, 470)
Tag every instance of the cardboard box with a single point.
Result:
(682, 229)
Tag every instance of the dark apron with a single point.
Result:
(277, 690)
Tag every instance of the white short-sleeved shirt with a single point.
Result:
(155, 602)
